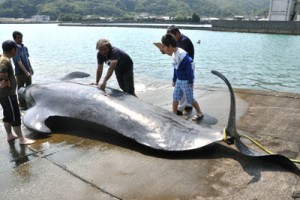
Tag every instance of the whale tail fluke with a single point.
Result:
(233, 137)
(231, 131)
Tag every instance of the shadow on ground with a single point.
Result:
(213, 151)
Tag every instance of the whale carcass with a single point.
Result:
(127, 115)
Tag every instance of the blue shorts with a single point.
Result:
(183, 87)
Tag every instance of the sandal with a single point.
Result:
(197, 117)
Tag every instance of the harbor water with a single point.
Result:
(250, 61)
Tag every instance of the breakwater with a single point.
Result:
(140, 25)
(273, 27)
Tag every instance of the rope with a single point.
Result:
(224, 135)
(257, 144)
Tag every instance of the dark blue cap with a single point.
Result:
(8, 45)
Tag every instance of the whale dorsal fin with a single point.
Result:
(73, 75)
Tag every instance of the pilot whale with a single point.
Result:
(123, 113)
(129, 116)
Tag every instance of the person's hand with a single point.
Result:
(191, 85)
(173, 84)
(4, 83)
(28, 74)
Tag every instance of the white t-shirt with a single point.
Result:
(178, 56)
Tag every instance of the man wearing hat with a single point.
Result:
(8, 97)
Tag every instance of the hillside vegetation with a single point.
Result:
(129, 8)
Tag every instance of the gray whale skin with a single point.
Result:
(127, 115)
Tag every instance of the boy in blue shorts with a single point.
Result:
(183, 79)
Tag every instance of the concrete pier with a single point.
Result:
(85, 164)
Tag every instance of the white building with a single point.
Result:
(40, 18)
(297, 9)
(282, 10)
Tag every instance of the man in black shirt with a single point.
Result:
(118, 61)
(182, 41)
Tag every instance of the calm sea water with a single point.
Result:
(252, 61)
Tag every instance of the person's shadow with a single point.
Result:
(19, 156)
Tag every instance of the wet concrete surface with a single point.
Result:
(77, 163)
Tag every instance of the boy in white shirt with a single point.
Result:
(183, 79)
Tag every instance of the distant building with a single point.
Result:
(283, 10)
(239, 18)
(165, 18)
(40, 18)
(297, 9)
(14, 20)
(208, 19)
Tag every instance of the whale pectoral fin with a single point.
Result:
(36, 121)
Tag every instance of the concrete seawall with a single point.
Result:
(139, 25)
(271, 27)
(274, 27)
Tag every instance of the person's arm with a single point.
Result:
(17, 59)
(4, 82)
(27, 73)
(98, 74)
(109, 72)
(29, 63)
(30, 67)
(189, 70)
(174, 75)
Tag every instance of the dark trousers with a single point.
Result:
(11, 112)
(126, 82)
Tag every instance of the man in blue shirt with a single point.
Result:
(23, 69)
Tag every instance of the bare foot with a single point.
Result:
(26, 141)
(11, 137)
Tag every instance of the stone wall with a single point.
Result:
(276, 27)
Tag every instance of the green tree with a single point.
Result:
(181, 9)
(195, 17)
(67, 17)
